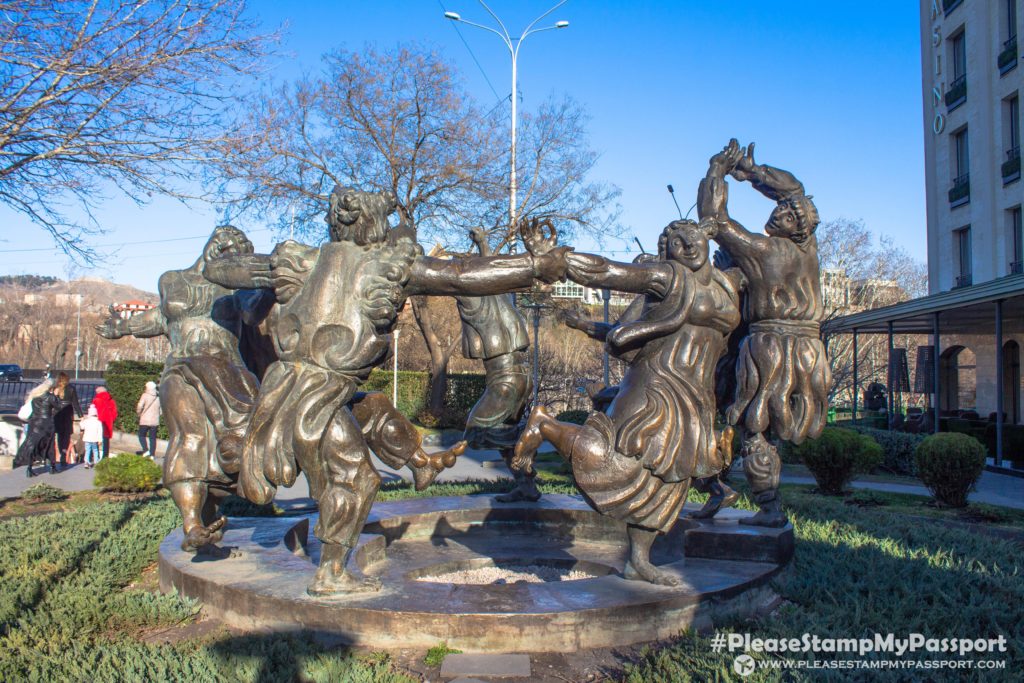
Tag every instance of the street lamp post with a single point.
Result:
(513, 45)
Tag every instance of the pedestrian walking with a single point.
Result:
(106, 410)
(64, 420)
(38, 445)
(92, 437)
(148, 410)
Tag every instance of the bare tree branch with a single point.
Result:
(135, 94)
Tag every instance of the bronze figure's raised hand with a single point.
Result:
(746, 167)
(539, 235)
(727, 160)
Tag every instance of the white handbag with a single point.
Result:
(25, 412)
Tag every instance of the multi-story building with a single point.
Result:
(971, 82)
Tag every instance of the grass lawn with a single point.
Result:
(72, 607)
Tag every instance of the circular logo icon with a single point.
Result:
(744, 665)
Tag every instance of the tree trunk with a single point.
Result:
(440, 355)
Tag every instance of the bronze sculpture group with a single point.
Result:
(268, 352)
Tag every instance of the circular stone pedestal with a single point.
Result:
(258, 576)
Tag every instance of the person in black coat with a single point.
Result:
(38, 445)
(64, 420)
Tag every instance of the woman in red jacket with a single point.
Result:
(106, 411)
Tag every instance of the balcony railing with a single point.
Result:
(1008, 57)
(957, 93)
(1011, 167)
(1016, 267)
(960, 193)
(949, 5)
(963, 280)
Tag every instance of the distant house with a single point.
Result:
(588, 295)
(128, 309)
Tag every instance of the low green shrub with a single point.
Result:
(43, 493)
(435, 655)
(574, 416)
(949, 464)
(835, 456)
(897, 448)
(127, 473)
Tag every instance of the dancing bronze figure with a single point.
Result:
(636, 461)
(782, 373)
(494, 331)
(206, 389)
(336, 307)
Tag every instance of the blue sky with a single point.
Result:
(830, 91)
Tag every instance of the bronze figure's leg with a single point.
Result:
(187, 463)
(639, 567)
(345, 483)
(762, 466)
(394, 439)
(526, 482)
(721, 494)
(200, 522)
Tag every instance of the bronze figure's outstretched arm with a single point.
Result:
(149, 324)
(482, 276)
(240, 271)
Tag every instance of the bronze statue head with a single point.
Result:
(794, 217)
(686, 241)
(226, 240)
(360, 217)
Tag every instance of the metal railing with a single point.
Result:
(957, 92)
(960, 193)
(1008, 57)
(1011, 167)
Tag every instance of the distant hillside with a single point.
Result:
(96, 293)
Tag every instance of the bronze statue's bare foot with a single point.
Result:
(645, 571)
(332, 577)
(200, 535)
(529, 441)
(721, 497)
(327, 583)
(525, 490)
(425, 467)
(767, 518)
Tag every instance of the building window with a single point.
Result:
(567, 290)
(963, 247)
(1017, 264)
(957, 93)
(1008, 55)
(960, 193)
(1011, 128)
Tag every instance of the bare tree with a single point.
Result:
(860, 273)
(399, 120)
(134, 94)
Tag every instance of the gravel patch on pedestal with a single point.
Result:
(497, 576)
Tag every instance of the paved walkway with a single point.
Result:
(992, 488)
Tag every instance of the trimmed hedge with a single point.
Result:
(127, 473)
(897, 448)
(835, 456)
(126, 380)
(949, 465)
